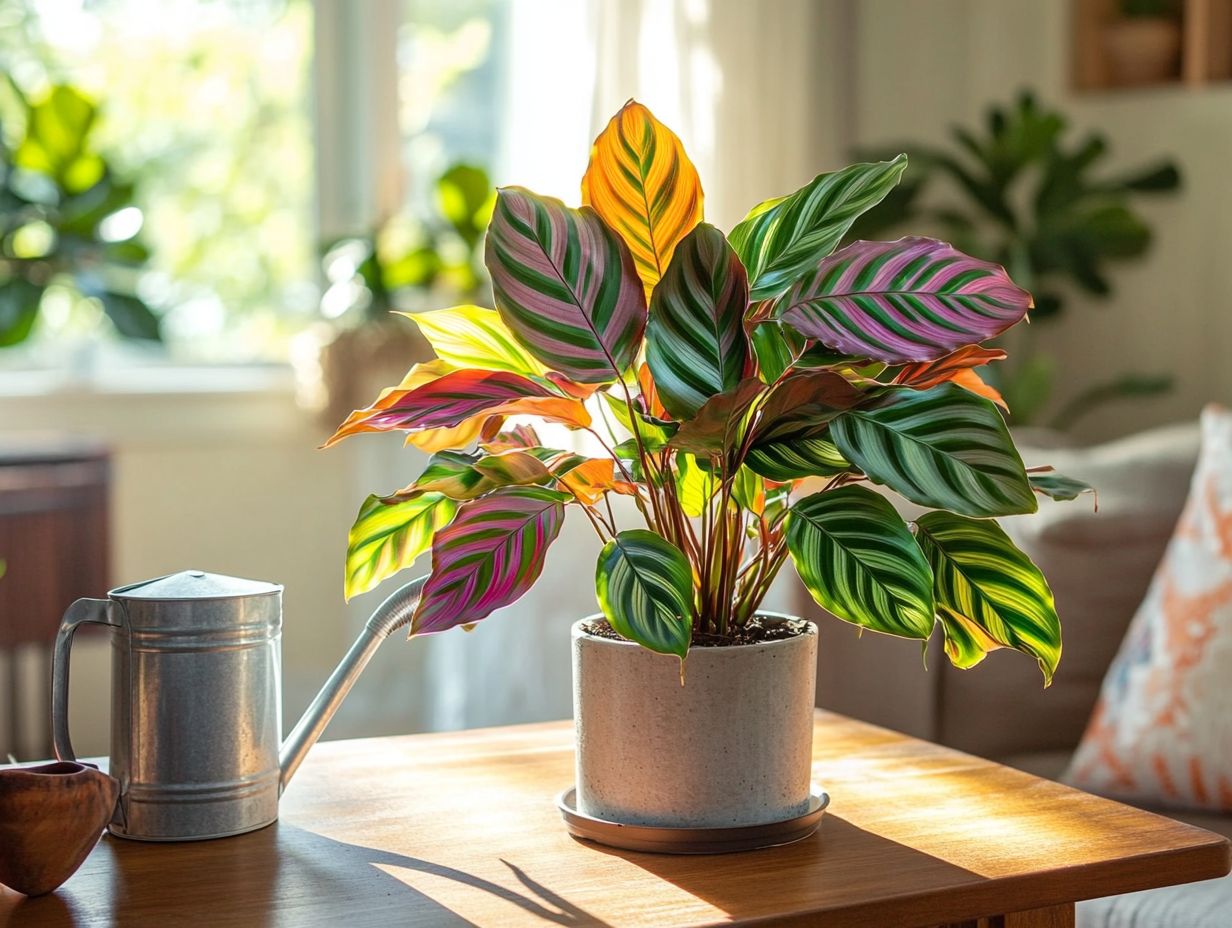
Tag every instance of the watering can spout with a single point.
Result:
(396, 612)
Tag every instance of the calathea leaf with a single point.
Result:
(857, 558)
(930, 373)
(654, 433)
(458, 397)
(942, 447)
(775, 347)
(389, 533)
(645, 589)
(749, 490)
(801, 404)
(695, 343)
(989, 594)
(490, 555)
(475, 337)
(915, 299)
(589, 479)
(796, 458)
(718, 425)
(695, 485)
(643, 185)
(782, 240)
(1060, 487)
(565, 284)
(464, 476)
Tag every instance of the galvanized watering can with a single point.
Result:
(196, 701)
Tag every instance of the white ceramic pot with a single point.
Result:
(732, 746)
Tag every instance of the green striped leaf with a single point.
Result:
(645, 589)
(389, 533)
(781, 240)
(462, 476)
(915, 299)
(1060, 487)
(944, 448)
(565, 285)
(797, 458)
(858, 559)
(989, 594)
(695, 343)
(475, 337)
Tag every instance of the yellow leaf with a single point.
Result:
(475, 337)
(642, 184)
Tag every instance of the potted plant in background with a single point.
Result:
(401, 266)
(1019, 195)
(66, 220)
(745, 391)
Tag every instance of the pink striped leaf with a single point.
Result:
(488, 556)
(458, 397)
(566, 285)
(915, 299)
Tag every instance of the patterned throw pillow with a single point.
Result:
(1162, 729)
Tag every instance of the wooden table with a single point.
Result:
(461, 829)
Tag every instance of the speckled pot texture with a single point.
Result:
(732, 746)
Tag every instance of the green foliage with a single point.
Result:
(1025, 194)
(66, 219)
(739, 426)
(377, 273)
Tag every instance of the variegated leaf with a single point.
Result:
(915, 299)
(989, 594)
(464, 476)
(782, 240)
(857, 558)
(942, 447)
(645, 589)
(797, 458)
(490, 555)
(458, 397)
(565, 285)
(695, 343)
(475, 337)
(801, 403)
(643, 185)
(389, 533)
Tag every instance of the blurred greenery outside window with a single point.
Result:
(207, 106)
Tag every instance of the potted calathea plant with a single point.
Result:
(747, 392)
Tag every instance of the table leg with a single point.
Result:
(1055, 916)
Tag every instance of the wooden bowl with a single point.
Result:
(50, 819)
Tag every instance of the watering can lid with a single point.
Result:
(196, 584)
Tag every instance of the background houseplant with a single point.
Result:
(401, 265)
(66, 220)
(1020, 195)
(742, 391)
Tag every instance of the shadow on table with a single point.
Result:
(281, 875)
(842, 864)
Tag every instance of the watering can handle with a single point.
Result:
(83, 611)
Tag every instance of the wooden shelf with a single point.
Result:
(1104, 55)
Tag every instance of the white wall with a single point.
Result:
(926, 64)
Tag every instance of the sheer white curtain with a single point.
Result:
(757, 92)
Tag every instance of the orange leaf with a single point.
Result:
(970, 380)
(927, 374)
(642, 184)
(650, 393)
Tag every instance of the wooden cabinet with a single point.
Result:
(54, 542)
(1189, 45)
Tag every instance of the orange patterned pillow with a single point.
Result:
(1162, 729)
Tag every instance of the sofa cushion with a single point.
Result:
(1162, 730)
